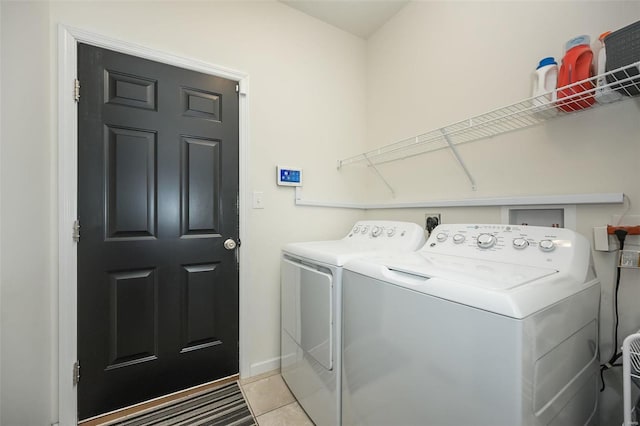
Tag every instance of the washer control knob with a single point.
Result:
(391, 232)
(520, 243)
(376, 231)
(442, 237)
(486, 241)
(547, 245)
(365, 229)
(458, 238)
(356, 229)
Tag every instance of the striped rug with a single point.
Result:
(223, 406)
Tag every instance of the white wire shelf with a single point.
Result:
(529, 112)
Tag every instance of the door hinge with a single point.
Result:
(76, 90)
(76, 373)
(76, 230)
(237, 88)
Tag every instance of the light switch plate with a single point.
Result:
(258, 200)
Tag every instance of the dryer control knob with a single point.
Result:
(356, 229)
(458, 238)
(376, 231)
(441, 237)
(365, 229)
(520, 243)
(547, 245)
(486, 241)
(391, 232)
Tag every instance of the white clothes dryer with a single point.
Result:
(311, 288)
(486, 325)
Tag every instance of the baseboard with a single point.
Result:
(264, 366)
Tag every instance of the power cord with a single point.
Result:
(432, 222)
(621, 234)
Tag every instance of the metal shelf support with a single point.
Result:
(456, 154)
(375, 169)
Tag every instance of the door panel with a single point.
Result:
(133, 318)
(131, 182)
(157, 197)
(200, 186)
(199, 292)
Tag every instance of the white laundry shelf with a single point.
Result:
(520, 115)
(523, 200)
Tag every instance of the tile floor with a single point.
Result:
(271, 401)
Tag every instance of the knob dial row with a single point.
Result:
(376, 230)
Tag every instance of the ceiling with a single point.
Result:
(360, 17)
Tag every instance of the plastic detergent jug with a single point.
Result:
(604, 95)
(576, 67)
(544, 85)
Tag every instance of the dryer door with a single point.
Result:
(307, 308)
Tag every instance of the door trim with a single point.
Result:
(68, 38)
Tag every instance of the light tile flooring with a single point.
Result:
(271, 401)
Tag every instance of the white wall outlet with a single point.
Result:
(258, 200)
(601, 239)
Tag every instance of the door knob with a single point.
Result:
(230, 244)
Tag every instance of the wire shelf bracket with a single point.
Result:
(456, 154)
(375, 169)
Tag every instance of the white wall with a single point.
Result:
(27, 202)
(436, 63)
(307, 109)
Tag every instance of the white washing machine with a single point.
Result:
(311, 277)
(486, 325)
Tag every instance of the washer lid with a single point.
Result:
(367, 237)
(512, 290)
(478, 273)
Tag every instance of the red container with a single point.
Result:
(576, 66)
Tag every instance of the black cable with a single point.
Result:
(432, 222)
(621, 234)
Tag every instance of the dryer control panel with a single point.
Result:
(527, 245)
(386, 233)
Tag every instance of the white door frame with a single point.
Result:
(68, 39)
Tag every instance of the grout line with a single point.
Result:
(255, 418)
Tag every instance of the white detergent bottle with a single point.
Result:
(544, 86)
(604, 94)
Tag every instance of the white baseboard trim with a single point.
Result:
(264, 366)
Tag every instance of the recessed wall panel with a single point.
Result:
(133, 308)
(199, 298)
(131, 183)
(130, 90)
(200, 186)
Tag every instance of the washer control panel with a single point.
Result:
(506, 243)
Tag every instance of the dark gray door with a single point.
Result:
(157, 198)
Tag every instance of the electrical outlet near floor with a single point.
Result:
(429, 218)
